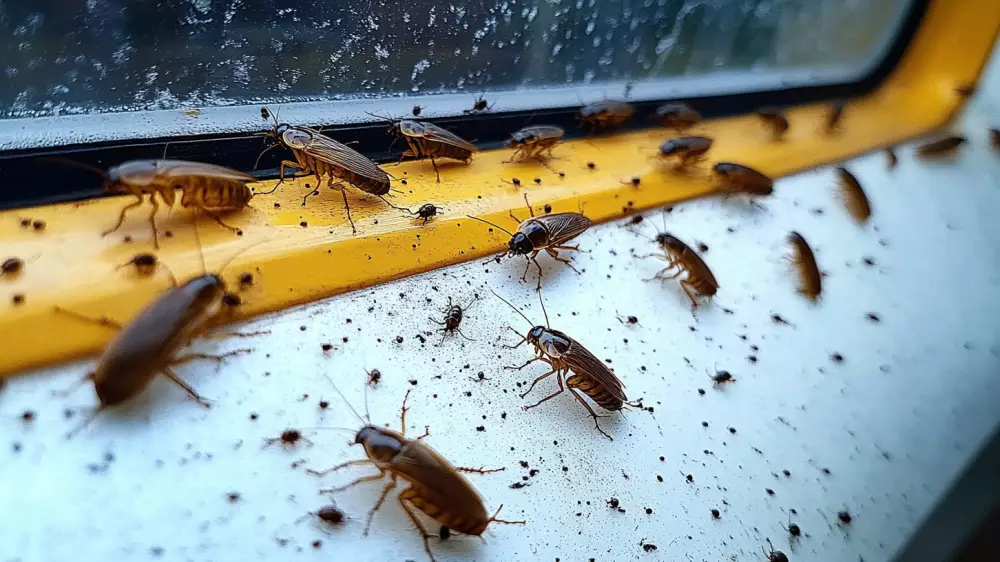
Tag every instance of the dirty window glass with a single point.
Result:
(91, 56)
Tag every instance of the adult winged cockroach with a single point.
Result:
(534, 142)
(699, 281)
(687, 150)
(204, 187)
(737, 178)
(678, 116)
(854, 196)
(427, 140)
(546, 232)
(319, 155)
(148, 344)
(810, 280)
(605, 114)
(436, 486)
(564, 354)
(946, 146)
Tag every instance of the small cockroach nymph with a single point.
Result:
(890, 158)
(606, 114)
(946, 146)
(329, 516)
(853, 195)
(374, 377)
(11, 267)
(737, 178)
(436, 487)
(453, 315)
(480, 105)
(687, 150)
(721, 377)
(677, 116)
(775, 120)
(774, 555)
(416, 110)
(319, 155)
(700, 282)
(547, 232)
(427, 211)
(427, 140)
(145, 263)
(535, 142)
(565, 355)
(834, 117)
(802, 258)
(288, 438)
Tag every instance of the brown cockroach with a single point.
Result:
(436, 486)
(700, 282)
(605, 114)
(453, 316)
(204, 187)
(946, 146)
(833, 118)
(677, 116)
(687, 150)
(547, 232)
(480, 105)
(774, 555)
(995, 139)
(804, 261)
(853, 195)
(11, 267)
(737, 178)
(145, 263)
(288, 438)
(775, 119)
(427, 211)
(890, 158)
(319, 155)
(564, 354)
(427, 140)
(148, 344)
(534, 142)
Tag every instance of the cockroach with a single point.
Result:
(148, 344)
(374, 377)
(427, 211)
(687, 150)
(547, 232)
(436, 486)
(11, 267)
(416, 110)
(564, 354)
(737, 178)
(721, 377)
(853, 195)
(632, 221)
(677, 116)
(833, 118)
(204, 187)
(453, 316)
(890, 158)
(288, 438)
(145, 263)
(700, 282)
(605, 114)
(946, 146)
(427, 140)
(810, 281)
(319, 155)
(774, 118)
(479, 105)
(774, 555)
(534, 142)
(995, 139)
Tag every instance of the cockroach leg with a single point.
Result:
(436, 172)
(69, 390)
(121, 215)
(223, 335)
(536, 381)
(592, 413)
(222, 224)
(555, 256)
(217, 358)
(402, 413)
(480, 470)
(187, 388)
(529, 362)
(100, 320)
(381, 499)
(427, 433)
(152, 220)
(362, 480)
(347, 206)
(691, 292)
(404, 497)
(356, 462)
(523, 339)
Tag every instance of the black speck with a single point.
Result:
(17, 299)
(302, 328)
(156, 551)
(413, 382)
(701, 391)
(327, 347)
(16, 447)
(702, 247)
(769, 491)
(399, 339)
(716, 514)
(28, 416)
(518, 485)
(786, 473)
(704, 424)
(445, 533)
(873, 317)
(845, 517)
(591, 165)
(317, 544)
(253, 417)
(323, 404)
(794, 530)
(481, 428)
(868, 261)
(233, 497)
(538, 180)
(826, 471)
(837, 358)
(344, 339)
(25, 223)
(565, 469)
(38, 225)
(548, 208)
(303, 224)
(732, 430)
(649, 511)
(649, 547)
(689, 478)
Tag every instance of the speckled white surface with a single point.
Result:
(894, 423)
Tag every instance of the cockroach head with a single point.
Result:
(534, 334)
(520, 245)
(668, 241)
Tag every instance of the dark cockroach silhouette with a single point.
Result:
(836, 114)
(995, 139)
(774, 555)
(11, 267)
(480, 105)
(416, 110)
(853, 195)
(677, 116)
(145, 263)
(700, 282)
(721, 377)
(148, 344)
(547, 232)
(802, 258)
(319, 155)
(775, 120)
(890, 158)
(427, 140)
(427, 211)
(687, 150)
(288, 438)
(204, 187)
(453, 316)
(606, 114)
(374, 377)
(737, 178)
(436, 486)
(564, 354)
(946, 146)
(966, 91)
(534, 142)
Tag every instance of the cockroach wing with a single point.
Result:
(563, 227)
(434, 133)
(183, 168)
(340, 155)
(582, 362)
(423, 466)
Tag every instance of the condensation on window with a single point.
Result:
(60, 57)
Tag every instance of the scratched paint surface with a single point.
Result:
(892, 422)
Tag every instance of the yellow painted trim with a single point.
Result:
(69, 264)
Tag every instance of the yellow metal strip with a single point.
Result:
(298, 254)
